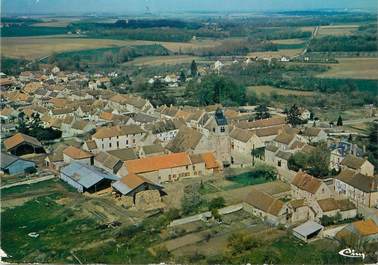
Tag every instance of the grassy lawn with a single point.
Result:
(206, 188)
(288, 250)
(58, 232)
(69, 230)
(26, 188)
(245, 179)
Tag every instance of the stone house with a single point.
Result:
(300, 211)
(360, 165)
(243, 144)
(108, 162)
(331, 208)
(361, 189)
(74, 154)
(313, 135)
(165, 130)
(118, 137)
(266, 207)
(165, 168)
(305, 186)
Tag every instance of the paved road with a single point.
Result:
(28, 182)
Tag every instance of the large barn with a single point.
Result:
(21, 144)
(86, 178)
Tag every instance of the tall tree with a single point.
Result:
(339, 121)
(22, 128)
(319, 160)
(262, 112)
(36, 122)
(293, 116)
(372, 147)
(182, 77)
(193, 69)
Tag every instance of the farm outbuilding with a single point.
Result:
(14, 165)
(308, 230)
(21, 144)
(86, 178)
(132, 184)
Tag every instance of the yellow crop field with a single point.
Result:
(337, 30)
(357, 68)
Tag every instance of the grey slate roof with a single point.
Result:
(7, 159)
(220, 118)
(85, 175)
(284, 155)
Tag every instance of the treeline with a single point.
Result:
(364, 40)
(151, 34)
(24, 30)
(268, 33)
(11, 66)
(300, 20)
(137, 24)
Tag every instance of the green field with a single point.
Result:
(246, 179)
(69, 228)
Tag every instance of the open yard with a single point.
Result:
(267, 90)
(38, 47)
(337, 30)
(355, 68)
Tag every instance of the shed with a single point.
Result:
(20, 144)
(14, 165)
(86, 178)
(131, 184)
(307, 230)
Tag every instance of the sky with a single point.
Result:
(156, 6)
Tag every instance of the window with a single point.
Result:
(110, 145)
(187, 167)
(103, 146)
(194, 167)
(117, 144)
(133, 141)
(279, 163)
(127, 141)
(222, 129)
(213, 129)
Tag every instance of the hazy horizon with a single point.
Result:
(30, 7)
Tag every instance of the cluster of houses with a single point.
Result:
(123, 142)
